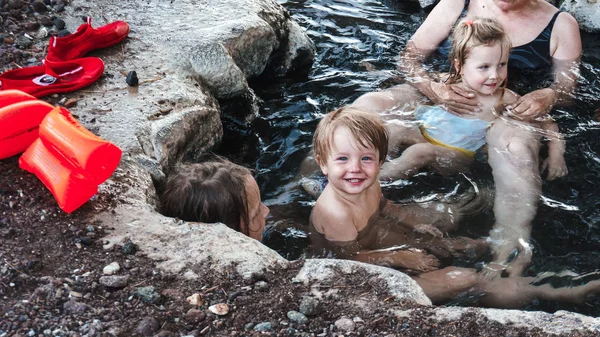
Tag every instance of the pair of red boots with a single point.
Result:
(64, 70)
(70, 160)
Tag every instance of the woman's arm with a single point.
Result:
(436, 27)
(565, 49)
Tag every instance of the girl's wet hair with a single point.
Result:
(469, 34)
(209, 192)
(367, 129)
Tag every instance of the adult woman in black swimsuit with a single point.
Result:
(546, 42)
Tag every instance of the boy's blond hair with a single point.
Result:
(366, 128)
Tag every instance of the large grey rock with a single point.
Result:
(185, 134)
(400, 285)
(178, 244)
(186, 54)
(587, 13)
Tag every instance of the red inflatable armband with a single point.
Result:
(70, 160)
(64, 136)
(20, 117)
(8, 97)
(70, 187)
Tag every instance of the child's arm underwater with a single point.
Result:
(399, 257)
(555, 165)
(346, 246)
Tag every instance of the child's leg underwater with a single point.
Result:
(513, 292)
(517, 292)
(439, 159)
(401, 96)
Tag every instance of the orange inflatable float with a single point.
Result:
(70, 160)
(20, 117)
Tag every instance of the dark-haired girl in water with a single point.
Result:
(215, 191)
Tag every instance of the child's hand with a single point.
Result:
(555, 167)
(428, 229)
(417, 260)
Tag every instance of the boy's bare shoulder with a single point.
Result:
(333, 219)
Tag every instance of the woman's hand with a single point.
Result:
(454, 98)
(532, 105)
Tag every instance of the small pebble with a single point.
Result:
(31, 26)
(39, 6)
(73, 307)
(46, 21)
(111, 269)
(147, 294)
(129, 248)
(195, 299)
(59, 23)
(220, 309)
(114, 281)
(266, 326)
(261, 285)
(344, 324)
(194, 316)
(297, 317)
(63, 32)
(42, 33)
(233, 296)
(147, 326)
(132, 79)
(84, 240)
(70, 102)
(309, 306)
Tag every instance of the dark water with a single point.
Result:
(357, 45)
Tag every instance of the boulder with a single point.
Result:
(400, 285)
(587, 13)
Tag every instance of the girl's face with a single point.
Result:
(257, 211)
(484, 69)
(350, 168)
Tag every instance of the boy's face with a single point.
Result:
(350, 168)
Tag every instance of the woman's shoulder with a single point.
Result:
(565, 22)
